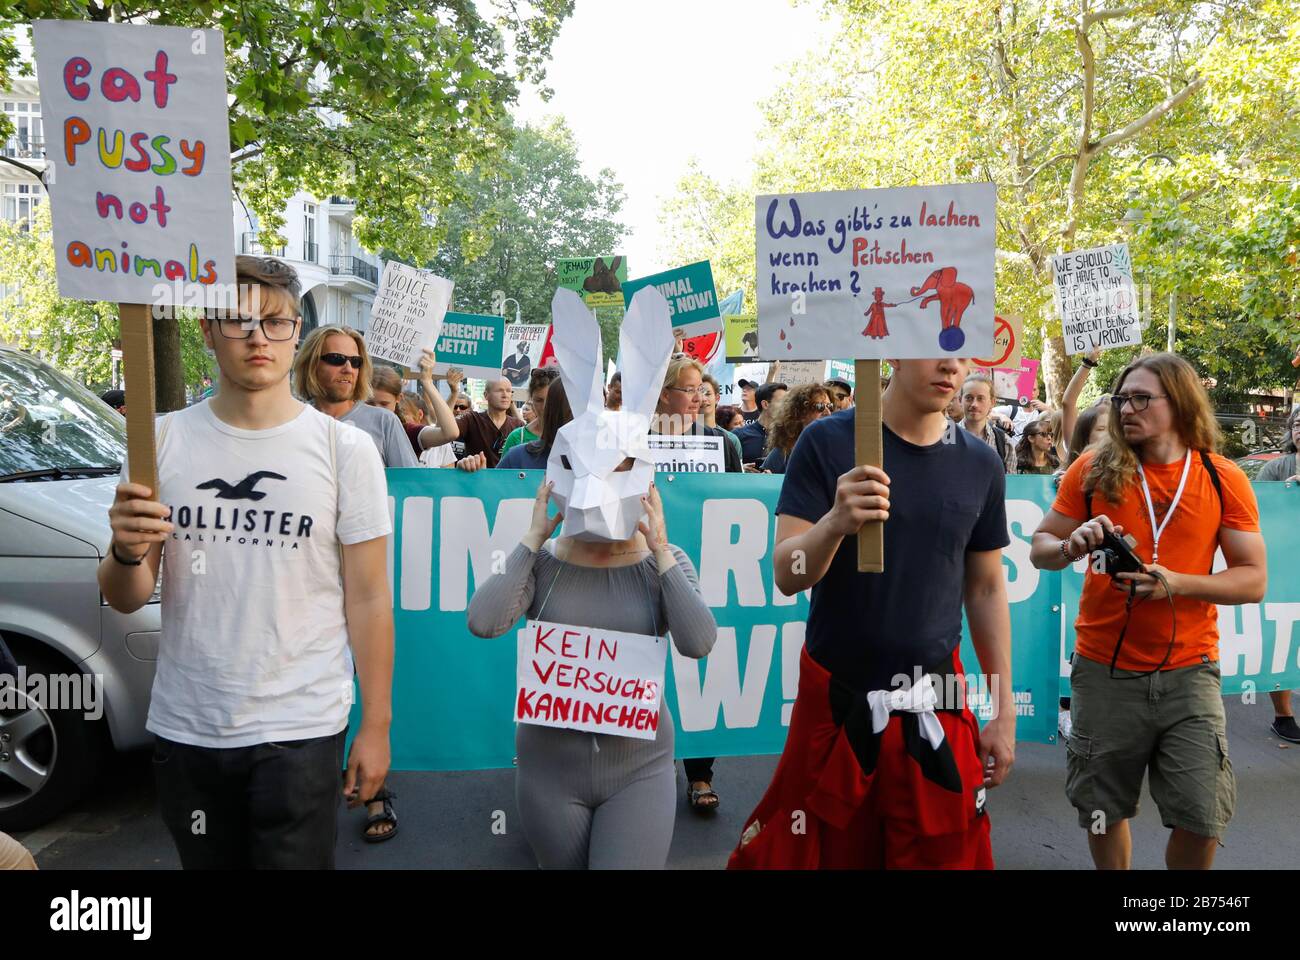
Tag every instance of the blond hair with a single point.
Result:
(676, 367)
(1115, 464)
(305, 381)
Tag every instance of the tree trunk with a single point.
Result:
(1057, 369)
(168, 371)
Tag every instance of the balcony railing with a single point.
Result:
(309, 251)
(343, 265)
(25, 148)
(248, 243)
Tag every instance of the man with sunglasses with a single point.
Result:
(275, 523)
(332, 373)
(1145, 687)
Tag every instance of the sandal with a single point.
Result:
(702, 801)
(387, 797)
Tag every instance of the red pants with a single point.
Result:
(823, 811)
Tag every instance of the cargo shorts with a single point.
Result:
(1171, 723)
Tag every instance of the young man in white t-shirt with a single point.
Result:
(274, 521)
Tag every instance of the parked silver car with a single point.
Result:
(85, 670)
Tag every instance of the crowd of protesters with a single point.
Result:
(1157, 423)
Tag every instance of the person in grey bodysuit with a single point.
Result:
(597, 800)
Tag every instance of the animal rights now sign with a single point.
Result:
(584, 678)
(138, 149)
(871, 274)
(692, 298)
(1096, 299)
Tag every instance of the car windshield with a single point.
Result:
(48, 421)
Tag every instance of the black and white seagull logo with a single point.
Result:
(242, 490)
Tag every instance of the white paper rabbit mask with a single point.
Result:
(600, 499)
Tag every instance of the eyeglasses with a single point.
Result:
(460, 408)
(273, 328)
(822, 407)
(1140, 401)
(338, 359)
(691, 391)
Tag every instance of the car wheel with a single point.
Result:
(48, 753)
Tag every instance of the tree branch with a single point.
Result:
(1090, 18)
(1151, 116)
(1043, 166)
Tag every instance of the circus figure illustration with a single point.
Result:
(953, 299)
(876, 328)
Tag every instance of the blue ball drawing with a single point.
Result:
(951, 339)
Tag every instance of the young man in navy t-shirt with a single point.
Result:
(883, 758)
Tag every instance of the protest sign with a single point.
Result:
(842, 370)
(138, 162)
(688, 453)
(796, 373)
(585, 678)
(853, 273)
(829, 262)
(692, 299)
(599, 280)
(454, 694)
(742, 337)
(1017, 384)
(1095, 299)
(1007, 334)
(474, 343)
(407, 314)
(138, 171)
(524, 345)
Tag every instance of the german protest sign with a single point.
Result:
(741, 331)
(599, 280)
(407, 314)
(692, 299)
(1096, 299)
(473, 342)
(586, 678)
(138, 153)
(1007, 334)
(869, 274)
(523, 349)
(688, 453)
(796, 373)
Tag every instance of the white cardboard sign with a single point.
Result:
(407, 314)
(586, 678)
(687, 453)
(138, 146)
(876, 274)
(1096, 299)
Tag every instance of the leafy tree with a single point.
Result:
(1184, 111)
(383, 101)
(523, 214)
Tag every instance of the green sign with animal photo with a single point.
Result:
(599, 280)
(742, 337)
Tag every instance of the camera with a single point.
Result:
(1117, 554)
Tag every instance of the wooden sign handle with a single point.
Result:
(137, 371)
(868, 451)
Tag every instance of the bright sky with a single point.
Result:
(647, 84)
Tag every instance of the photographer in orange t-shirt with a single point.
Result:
(1145, 682)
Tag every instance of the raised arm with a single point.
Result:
(682, 609)
(444, 428)
(139, 528)
(1070, 402)
(804, 550)
(499, 603)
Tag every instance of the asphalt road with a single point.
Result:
(447, 819)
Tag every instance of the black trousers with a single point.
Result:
(700, 768)
(270, 806)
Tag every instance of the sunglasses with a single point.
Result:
(822, 407)
(338, 359)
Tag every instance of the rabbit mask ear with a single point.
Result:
(576, 341)
(645, 347)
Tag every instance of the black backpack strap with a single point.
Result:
(1000, 438)
(1214, 477)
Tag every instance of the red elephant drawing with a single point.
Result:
(953, 297)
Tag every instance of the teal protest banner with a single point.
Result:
(453, 693)
(1259, 643)
(474, 343)
(692, 299)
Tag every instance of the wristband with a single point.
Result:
(112, 548)
(1090, 364)
(1065, 552)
